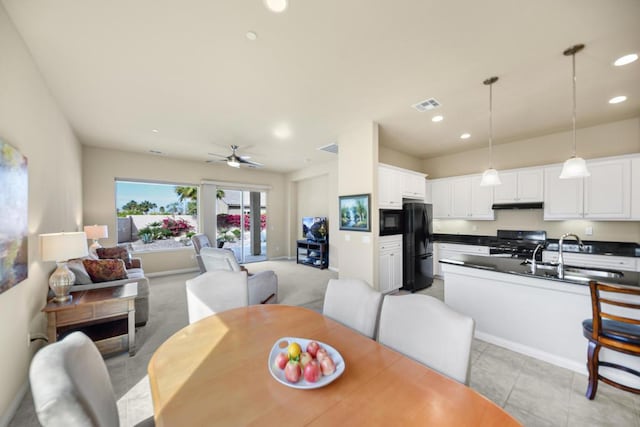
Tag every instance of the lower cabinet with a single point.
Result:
(390, 263)
(451, 250)
(598, 261)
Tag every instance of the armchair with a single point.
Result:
(263, 286)
(200, 241)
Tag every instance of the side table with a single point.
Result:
(106, 315)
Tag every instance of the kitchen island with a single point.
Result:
(538, 315)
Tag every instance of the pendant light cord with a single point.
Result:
(491, 125)
(573, 57)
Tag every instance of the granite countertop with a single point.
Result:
(520, 268)
(591, 247)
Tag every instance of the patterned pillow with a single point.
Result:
(116, 252)
(105, 270)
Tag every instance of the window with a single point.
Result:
(156, 216)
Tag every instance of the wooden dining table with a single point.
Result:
(216, 372)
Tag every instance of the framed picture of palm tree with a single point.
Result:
(355, 212)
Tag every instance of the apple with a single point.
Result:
(292, 371)
(312, 348)
(321, 354)
(281, 360)
(313, 371)
(305, 358)
(328, 366)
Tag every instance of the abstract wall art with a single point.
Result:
(14, 195)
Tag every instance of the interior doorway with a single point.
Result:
(241, 223)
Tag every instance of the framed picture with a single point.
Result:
(354, 212)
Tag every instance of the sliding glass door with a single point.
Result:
(241, 218)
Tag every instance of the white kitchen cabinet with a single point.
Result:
(441, 195)
(389, 193)
(460, 198)
(428, 196)
(413, 186)
(481, 200)
(589, 260)
(607, 192)
(390, 263)
(451, 250)
(562, 197)
(520, 186)
(635, 189)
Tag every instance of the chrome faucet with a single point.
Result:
(560, 257)
(534, 266)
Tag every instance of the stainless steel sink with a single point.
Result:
(589, 272)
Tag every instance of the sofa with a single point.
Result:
(113, 267)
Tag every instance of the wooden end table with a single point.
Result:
(106, 315)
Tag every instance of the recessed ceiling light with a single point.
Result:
(282, 132)
(276, 5)
(465, 136)
(617, 99)
(251, 35)
(627, 59)
(437, 118)
(155, 130)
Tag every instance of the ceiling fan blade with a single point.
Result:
(250, 163)
(217, 155)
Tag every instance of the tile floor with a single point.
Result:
(535, 392)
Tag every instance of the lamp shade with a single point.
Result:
(95, 232)
(575, 167)
(490, 177)
(63, 246)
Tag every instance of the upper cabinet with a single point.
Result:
(463, 198)
(520, 186)
(607, 192)
(394, 184)
(605, 195)
(389, 181)
(635, 189)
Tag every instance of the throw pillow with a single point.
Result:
(116, 252)
(105, 270)
(77, 267)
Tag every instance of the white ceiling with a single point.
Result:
(121, 68)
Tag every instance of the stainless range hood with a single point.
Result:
(532, 205)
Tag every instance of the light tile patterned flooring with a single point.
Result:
(535, 392)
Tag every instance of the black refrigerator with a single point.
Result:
(417, 247)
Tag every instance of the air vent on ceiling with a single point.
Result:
(331, 148)
(426, 105)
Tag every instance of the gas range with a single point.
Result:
(517, 244)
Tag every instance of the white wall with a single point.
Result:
(31, 121)
(358, 174)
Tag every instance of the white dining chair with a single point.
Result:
(353, 303)
(71, 386)
(216, 291)
(427, 330)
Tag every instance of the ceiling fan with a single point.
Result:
(234, 160)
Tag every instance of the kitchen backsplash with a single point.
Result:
(622, 231)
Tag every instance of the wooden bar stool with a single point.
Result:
(615, 332)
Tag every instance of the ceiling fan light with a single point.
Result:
(233, 163)
(575, 167)
(490, 178)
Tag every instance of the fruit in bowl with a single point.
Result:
(310, 365)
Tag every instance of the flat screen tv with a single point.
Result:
(315, 228)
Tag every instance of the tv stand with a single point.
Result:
(312, 253)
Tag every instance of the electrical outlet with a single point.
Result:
(588, 231)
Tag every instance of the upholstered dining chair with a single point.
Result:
(263, 285)
(427, 330)
(615, 325)
(71, 386)
(353, 303)
(216, 291)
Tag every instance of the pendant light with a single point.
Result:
(574, 167)
(490, 176)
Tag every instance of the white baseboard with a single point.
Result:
(170, 272)
(6, 418)
(335, 270)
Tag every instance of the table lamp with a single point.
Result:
(60, 247)
(96, 232)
